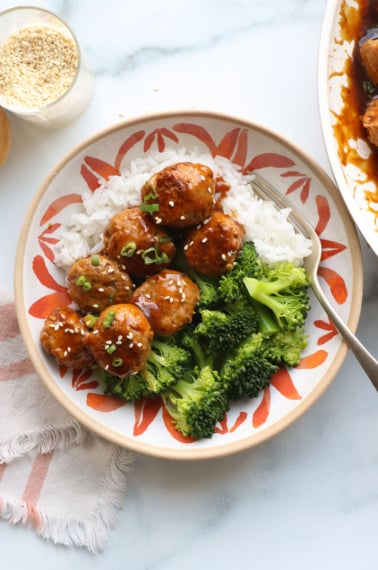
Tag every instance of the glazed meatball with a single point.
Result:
(142, 248)
(369, 58)
(121, 339)
(168, 300)
(183, 194)
(211, 248)
(370, 121)
(63, 336)
(95, 282)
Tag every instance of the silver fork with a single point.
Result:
(265, 190)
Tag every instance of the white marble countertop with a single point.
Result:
(309, 497)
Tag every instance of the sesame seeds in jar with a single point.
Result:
(37, 65)
(42, 75)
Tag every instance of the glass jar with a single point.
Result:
(43, 76)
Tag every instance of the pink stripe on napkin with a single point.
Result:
(15, 370)
(9, 325)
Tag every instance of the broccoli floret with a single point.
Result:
(286, 346)
(166, 363)
(249, 369)
(197, 402)
(223, 329)
(283, 288)
(247, 264)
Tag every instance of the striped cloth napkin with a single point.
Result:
(55, 475)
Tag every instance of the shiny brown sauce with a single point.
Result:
(355, 25)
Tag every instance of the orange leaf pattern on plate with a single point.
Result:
(330, 248)
(326, 326)
(304, 185)
(45, 305)
(324, 213)
(43, 275)
(131, 141)
(159, 135)
(79, 380)
(100, 167)
(283, 382)
(268, 160)
(199, 132)
(58, 205)
(335, 282)
(239, 421)
(93, 182)
(313, 360)
(262, 411)
(104, 403)
(145, 411)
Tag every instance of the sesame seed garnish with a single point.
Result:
(129, 335)
(158, 220)
(171, 203)
(100, 289)
(204, 240)
(224, 257)
(139, 344)
(131, 345)
(182, 217)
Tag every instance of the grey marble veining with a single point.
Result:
(307, 498)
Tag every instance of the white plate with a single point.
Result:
(40, 285)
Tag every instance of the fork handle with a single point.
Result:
(363, 356)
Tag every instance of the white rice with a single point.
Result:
(274, 237)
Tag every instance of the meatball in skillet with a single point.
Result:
(95, 282)
(121, 339)
(139, 245)
(370, 121)
(63, 336)
(180, 195)
(369, 58)
(211, 248)
(168, 300)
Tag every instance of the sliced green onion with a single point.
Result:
(117, 362)
(152, 255)
(109, 318)
(129, 249)
(152, 195)
(111, 348)
(149, 208)
(95, 260)
(87, 286)
(89, 321)
(80, 280)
